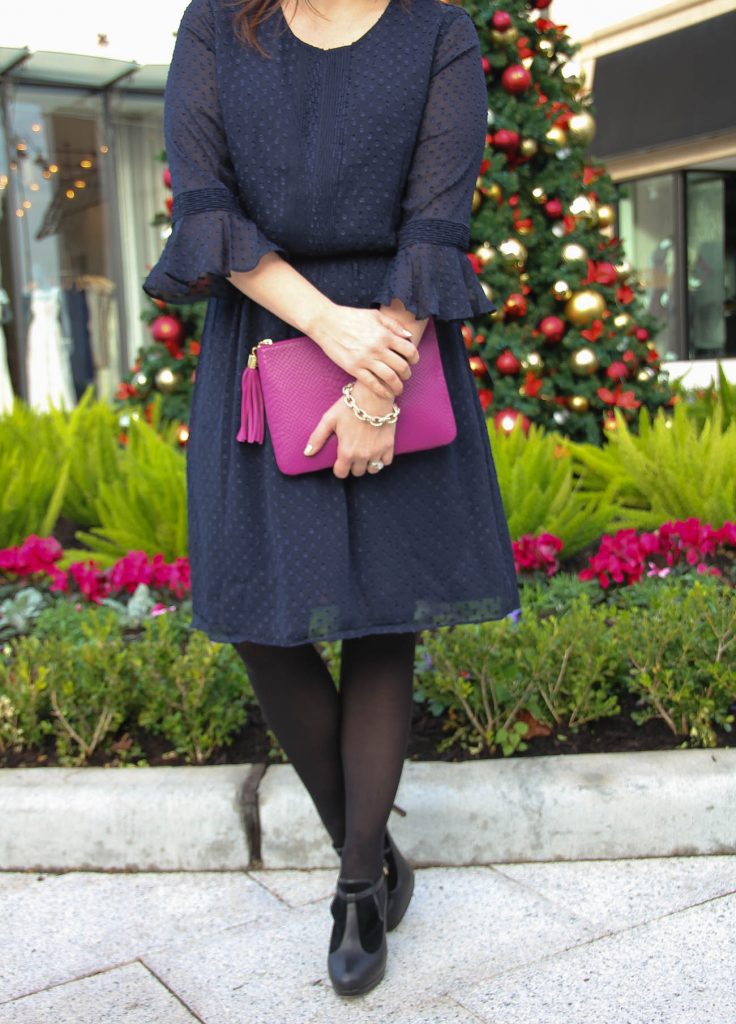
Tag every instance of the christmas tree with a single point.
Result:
(570, 340)
(168, 365)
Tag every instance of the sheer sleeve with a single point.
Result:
(211, 236)
(431, 272)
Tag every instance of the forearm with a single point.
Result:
(279, 288)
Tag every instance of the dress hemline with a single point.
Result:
(350, 634)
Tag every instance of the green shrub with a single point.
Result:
(539, 490)
(194, 695)
(144, 507)
(682, 655)
(33, 475)
(670, 470)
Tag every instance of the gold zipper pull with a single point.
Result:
(253, 358)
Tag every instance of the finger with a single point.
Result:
(397, 363)
(395, 325)
(388, 456)
(374, 383)
(389, 377)
(405, 348)
(341, 467)
(359, 467)
(319, 435)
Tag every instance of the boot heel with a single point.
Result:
(357, 963)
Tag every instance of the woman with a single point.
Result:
(322, 182)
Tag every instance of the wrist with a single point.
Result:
(317, 320)
(370, 401)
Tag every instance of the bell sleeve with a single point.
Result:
(430, 271)
(211, 236)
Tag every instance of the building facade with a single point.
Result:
(81, 184)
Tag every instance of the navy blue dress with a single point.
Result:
(357, 165)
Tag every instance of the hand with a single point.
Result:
(358, 443)
(369, 344)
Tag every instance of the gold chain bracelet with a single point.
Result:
(366, 417)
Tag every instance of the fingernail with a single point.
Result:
(308, 449)
(407, 334)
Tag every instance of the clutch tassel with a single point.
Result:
(252, 414)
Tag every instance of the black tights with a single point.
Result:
(347, 747)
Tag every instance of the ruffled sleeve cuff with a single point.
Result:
(210, 238)
(432, 275)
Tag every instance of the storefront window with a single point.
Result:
(68, 298)
(711, 256)
(647, 227)
(140, 195)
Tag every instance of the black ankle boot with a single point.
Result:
(400, 880)
(357, 958)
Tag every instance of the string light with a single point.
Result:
(86, 163)
(80, 183)
(70, 193)
(35, 127)
(53, 168)
(26, 204)
(34, 186)
(20, 213)
(104, 149)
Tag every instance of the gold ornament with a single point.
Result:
(581, 128)
(513, 253)
(554, 139)
(574, 253)
(561, 291)
(646, 375)
(527, 63)
(533, 361)
(606, 216)
(621, 321)
(585, 307)
(546, 48)
(584, 362)
(167, 380)
(510, 35)
(496, 315)
(539, 196)
(485, 253)
(487, 290)
(477, 200)
(623, 269)
(525, 229)
(573, 77)
(182, 433)
(141, 381)
(579, 403)
(528, 148)
(583, 210)
(495, 193)
(524, 277)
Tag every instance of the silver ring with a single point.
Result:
(375, 465)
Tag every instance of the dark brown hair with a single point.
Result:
(249, 14)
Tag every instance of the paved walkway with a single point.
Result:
(587, 942)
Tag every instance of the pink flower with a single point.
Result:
(34, 555)
(536, 553)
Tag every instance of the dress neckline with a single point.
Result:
(332, 49)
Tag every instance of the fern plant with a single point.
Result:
(144, 507)
(670, 470)
(540, 492)
(33, 475)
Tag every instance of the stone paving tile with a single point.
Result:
(126, 995)
(13, 881)
(675, 970)
(296, 888)
(620, 893)
(462, 923)
(69, 925)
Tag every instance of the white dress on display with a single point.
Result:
(48, 366)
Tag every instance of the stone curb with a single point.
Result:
(235, 817)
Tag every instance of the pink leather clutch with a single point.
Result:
(291, 383)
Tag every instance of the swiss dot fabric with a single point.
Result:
(357, 165)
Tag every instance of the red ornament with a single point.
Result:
(486, 65)
(617, 371)
(477, 366)
(630, 358)
(167, 178)
(515, 306)
(641, 334)
(467, 334)
(506, 140)
(516, 79)
(169, 204)
(540, 5)
(501, 21)
(168, 329)
(486, 397)
(553, 209)
(507, 362)
(553, 329)
(506, 420)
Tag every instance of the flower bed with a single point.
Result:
(630, 642)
